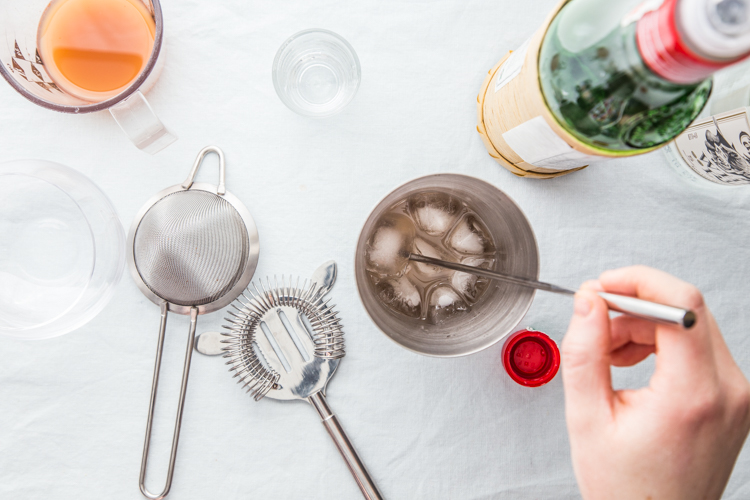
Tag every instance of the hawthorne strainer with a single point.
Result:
(285, 341)
(192, 249)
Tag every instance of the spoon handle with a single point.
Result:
(631, 306)
(658, 313)
(494, 275)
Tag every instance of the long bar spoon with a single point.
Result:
(631, 306)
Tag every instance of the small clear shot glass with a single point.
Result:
(316, 73)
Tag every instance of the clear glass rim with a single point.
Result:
(92, 240)
(90, 108)
(280, 91)
(115, 270)
(310, 31)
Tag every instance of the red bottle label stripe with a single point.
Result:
(665, 52)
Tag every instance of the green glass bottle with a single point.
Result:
(624, 81)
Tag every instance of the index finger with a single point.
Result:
(683, 356)
(652, 284)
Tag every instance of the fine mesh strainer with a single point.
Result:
(285, 342)
(192, 249)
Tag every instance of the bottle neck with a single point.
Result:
(666, 52)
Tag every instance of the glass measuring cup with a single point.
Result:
(23, 68)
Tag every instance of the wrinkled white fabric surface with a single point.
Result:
(73, 409)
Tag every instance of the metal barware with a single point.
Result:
(502, 306)
(192, 249)
(632, 306)
(284, 341)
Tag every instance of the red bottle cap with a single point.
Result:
(531, 358)
(666, 51)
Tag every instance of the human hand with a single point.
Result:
(679, 437)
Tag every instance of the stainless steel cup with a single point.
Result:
(502, 306)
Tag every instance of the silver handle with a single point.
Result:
(651, 311)
(345, 447)
(181, 404)
(221, 188)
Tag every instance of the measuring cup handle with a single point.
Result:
(180, 406)
(345, 447)
(139, 122)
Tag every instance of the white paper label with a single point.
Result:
(512, 66)
(718, 148)
(536, 142)
(640, 11)
(677, 164)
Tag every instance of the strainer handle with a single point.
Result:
(221, 188)
(180, 406)
(345, 447)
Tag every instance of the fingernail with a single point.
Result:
(581, 306)
(593, 285)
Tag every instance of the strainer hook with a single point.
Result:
(221, 188)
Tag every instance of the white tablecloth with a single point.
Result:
(73, 409)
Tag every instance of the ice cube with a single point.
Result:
(390, 244)
(471, 286)
(444, 304)
(434, 213)
(470, 237)
(428, 271)
(401, 295)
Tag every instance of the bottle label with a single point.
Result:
(512, 66)
(677, 165)
(536, 142)
(718, 148)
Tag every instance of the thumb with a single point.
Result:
(586, 361)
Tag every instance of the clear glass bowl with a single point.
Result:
(62, 249)
(316, 73)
